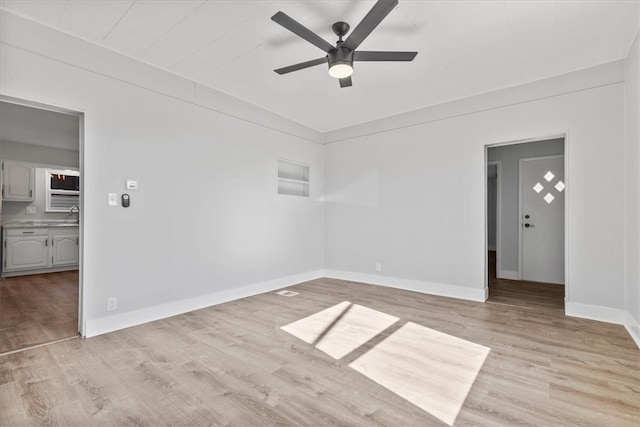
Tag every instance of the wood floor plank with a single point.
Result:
(232, 365)
(38, 308)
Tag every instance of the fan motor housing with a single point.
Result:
(340, 55)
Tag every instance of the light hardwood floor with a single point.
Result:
(38, 308)
(523, 293)
(232, 364)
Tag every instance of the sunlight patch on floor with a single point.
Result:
(430, 369)
(340, 329)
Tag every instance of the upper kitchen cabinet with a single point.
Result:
(18, 180)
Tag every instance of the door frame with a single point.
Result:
(520, 240)
(498, 165)
(567, 204)
(81, 215)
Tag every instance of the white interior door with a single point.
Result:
(542, 219)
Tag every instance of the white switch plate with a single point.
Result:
(31, 210)
(112, 199)
(132, 185)
(112, 303)
(378, 266)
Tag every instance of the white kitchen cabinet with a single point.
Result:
(18, 180)
(40, 250)
(64, 248)
(26, 249)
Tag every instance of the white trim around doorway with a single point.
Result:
(498, 166)
(567, 192)
(15, 99)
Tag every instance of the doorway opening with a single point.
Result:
(41, 224)
(525, 223)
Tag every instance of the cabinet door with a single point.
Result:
(18, 180)
(27, 252)
(65, 250)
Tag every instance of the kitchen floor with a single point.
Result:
(37, 309)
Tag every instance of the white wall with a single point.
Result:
(39, 154)
(632, 184)
(206, 224)
(509, 156)
(408, 191)
(35, 126)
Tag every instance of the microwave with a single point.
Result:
(63, 181)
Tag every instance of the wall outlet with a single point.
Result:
(31, 210)
(378, 266)
(112, 303)
(112, 199)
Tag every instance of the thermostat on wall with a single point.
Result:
(132, 185)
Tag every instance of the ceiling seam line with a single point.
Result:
(213, 70)
(119, 20)
(512, 38)
(172, 27)
(177, 98)
(64, 9)
(221, 36)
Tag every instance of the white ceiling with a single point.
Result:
(19, 123)
(465, 47)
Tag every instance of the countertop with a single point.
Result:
(40, 224)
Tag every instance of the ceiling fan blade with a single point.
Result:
(366, 55)
(301, 65)
(300, 30)
(345, 82)
(377, 13)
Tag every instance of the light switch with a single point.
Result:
(31, 210)
(112, 199)
(132, 185)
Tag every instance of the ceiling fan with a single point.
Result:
(341, 56)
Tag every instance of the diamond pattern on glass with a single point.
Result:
(559, 186)
(549, 176)
(548, 198)
(538, 187)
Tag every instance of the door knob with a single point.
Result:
(527, 225)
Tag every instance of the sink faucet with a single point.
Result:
(73, 209)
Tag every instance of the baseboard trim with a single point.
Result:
(605, 314)
(453, 291)
(633, 327)
(508, 274)
(128, 319)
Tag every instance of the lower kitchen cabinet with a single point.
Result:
(64, 248)
(26, 249)
(35, 250)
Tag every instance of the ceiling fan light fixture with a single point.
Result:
(340, 69)
(340, 58)
(340, 62)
